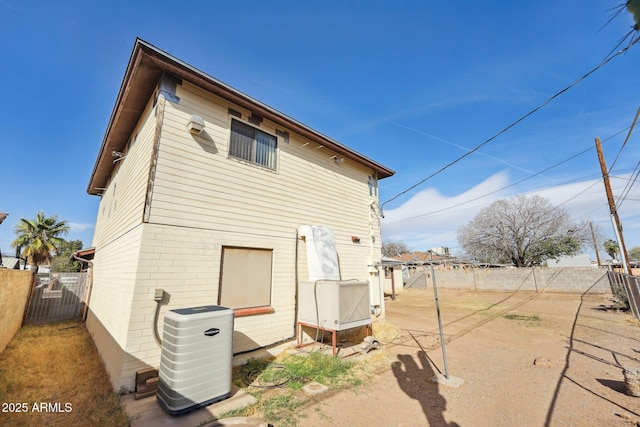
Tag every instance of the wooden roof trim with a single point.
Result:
(146, 65)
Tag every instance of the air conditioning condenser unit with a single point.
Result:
(196, 358)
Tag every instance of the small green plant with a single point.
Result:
(321, 368)
(276, 383)
(279, 409)
(534, 318)
(620, 300)
(296, 371)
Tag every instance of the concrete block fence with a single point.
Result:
(537, 279)
(14, 292)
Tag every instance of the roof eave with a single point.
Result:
(146, 65)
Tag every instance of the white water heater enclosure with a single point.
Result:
(334, 304)
(196, 358)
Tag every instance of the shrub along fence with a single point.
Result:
(626, 288)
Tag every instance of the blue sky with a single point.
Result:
(411, 84)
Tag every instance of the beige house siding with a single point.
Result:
(110, 307)
(177, 199)
(117, 240)
(122, 202)
(203, 200)
(194, 185)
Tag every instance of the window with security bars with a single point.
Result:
(253, 145)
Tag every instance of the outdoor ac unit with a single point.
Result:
(334, 304)
(196, 357)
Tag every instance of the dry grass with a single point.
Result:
(53, 374)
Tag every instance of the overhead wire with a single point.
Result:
(576, 195)
(631, 182)
(492, 192)
(627, 189)
(513, 184)
(516, 122)
(633, 124)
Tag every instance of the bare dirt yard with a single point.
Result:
(526, 359)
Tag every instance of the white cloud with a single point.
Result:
(79, 227)
(587, 200)
(430, 219)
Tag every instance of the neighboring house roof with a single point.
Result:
(390, 261)
(11, 263)
(87, 253)
(418, 257)
(146, 66)
(3, 216)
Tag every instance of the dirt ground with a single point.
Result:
(526, 359)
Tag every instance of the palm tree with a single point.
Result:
(611, 246)
(39, 238)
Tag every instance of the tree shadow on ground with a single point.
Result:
(415, 382)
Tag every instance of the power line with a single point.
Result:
(493, 192)
(536, 109)
(580, 193)
(635, 120)
(629, 186)
(511, 185)
(632, 181)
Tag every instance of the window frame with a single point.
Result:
(259, 153)
(247, 277)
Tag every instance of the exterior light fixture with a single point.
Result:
(196, 125)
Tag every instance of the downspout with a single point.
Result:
(296, 280)
(296, 284)
(377, 311)
(380, 308)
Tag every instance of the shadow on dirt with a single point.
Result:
(571, 349)
(618, 386)
(415, 381)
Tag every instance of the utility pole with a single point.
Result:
(617, 227)
(595, 243)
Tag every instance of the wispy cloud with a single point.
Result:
(461, 147)
(79, 227)
(430, 219)
(8, 5)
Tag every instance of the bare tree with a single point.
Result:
(393, 249)
(524, 230)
